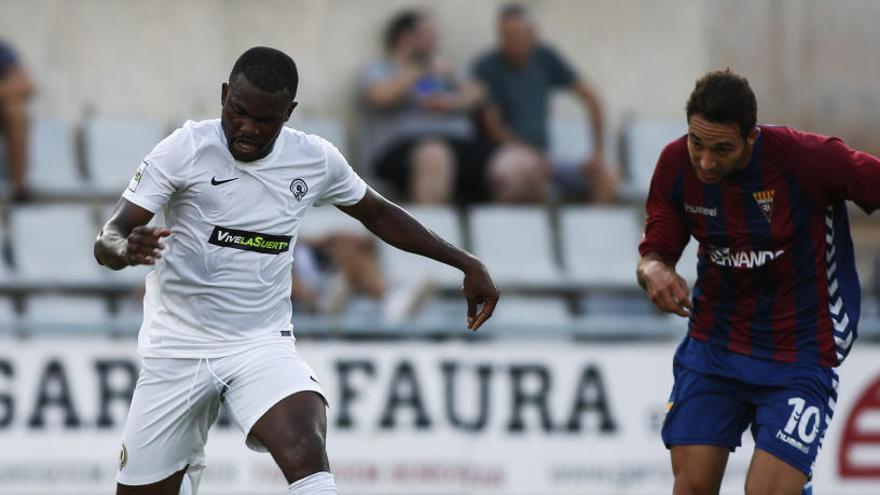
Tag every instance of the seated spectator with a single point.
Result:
(519, 76)
(15, 90)
(421, 137)
(329, 269)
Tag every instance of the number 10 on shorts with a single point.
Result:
(806, 420)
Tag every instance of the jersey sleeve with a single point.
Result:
(343, 186)
(847, 174)
(162, 172)
(666, 233)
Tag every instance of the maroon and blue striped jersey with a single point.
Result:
(776, 276)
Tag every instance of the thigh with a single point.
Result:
(294, 431)
(169, 486)
(260, 378)
(173, 406)
(791, 421)
(770, 475)
(698, 468)
(705, 410)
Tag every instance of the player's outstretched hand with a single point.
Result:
(667, 289)
(481, 295)
(144, 246)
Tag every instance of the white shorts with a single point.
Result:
(176, 401)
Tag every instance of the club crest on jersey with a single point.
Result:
(123, 456)
(299, 188)
(765, 202)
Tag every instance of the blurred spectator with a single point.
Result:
(421, 136)
(330, 269)
(520, 75)
(15, 90)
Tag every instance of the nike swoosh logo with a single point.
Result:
(215, 182)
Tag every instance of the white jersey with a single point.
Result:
(224, 279)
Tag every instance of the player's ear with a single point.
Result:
(293, 105)
(752, 135)
(224, 90)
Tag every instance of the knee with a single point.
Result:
(432, 155)
(756, 488)
(303, 455)
(693, 484)
(517, 174)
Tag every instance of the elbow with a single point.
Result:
(98, 252)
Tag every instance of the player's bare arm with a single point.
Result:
(395, 226)
(665, 288)
(125, 240)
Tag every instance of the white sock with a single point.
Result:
(315, 484)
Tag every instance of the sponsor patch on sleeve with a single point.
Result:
(138, 175)
(249, 241)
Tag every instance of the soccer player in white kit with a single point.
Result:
(217, 305)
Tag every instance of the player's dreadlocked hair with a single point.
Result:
(724, 97)
(268, 69)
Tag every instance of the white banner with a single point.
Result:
(416, 418)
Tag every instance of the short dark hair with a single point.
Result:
(724, 97)
(268, 69)
(513, 10)
(402, 23)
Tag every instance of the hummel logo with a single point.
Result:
(215, 182)
(313, 379)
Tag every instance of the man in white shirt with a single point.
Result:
(217, 306)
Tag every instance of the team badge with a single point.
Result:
(765, 202)
(299, 188)
(123, 457)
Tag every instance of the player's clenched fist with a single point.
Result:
(144, 245)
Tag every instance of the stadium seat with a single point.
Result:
(530, 316)
(442, 315)
(600, 245)
(515, 243)
(643, 141)
(330, 129)
(53, 243)
(619, 305)
(7, 277)
(52, 168)
(51, 313)
(115, 147)
(655, 326)
(400, 266)
(8, 316)
(570, 141)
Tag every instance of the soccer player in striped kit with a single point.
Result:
(776, 303)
